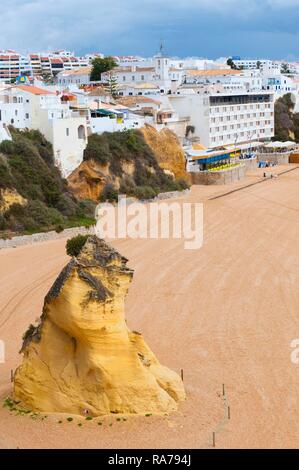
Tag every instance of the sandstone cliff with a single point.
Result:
(82, 356)
(89, 179)
(140, 163)
(9, 197)
(167, 149)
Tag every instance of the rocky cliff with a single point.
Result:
(167, 149)
(140, 163)
(286, 119)
(33, 195)
(9, 197)
(82, 357)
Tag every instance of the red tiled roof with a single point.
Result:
(35, 90)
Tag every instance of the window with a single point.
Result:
(27, 115)
(67, 131)
(142, 77)
(133, 78)
(124, 78)
(16, 112)
(81, 132)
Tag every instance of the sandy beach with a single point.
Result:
(225, 314)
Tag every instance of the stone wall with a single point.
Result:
(278, 158)
(219, 177)
(43, 237)
(250, 163)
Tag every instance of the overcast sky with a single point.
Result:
(207, 28)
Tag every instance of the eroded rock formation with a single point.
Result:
(82, 356)
(167, 150)
(89, 179)
(8, 197)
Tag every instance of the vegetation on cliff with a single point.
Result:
(121, 163)
(286, 121)
(27, 170)
(74, 245)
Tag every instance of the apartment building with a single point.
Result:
(13, 64)
(225, 119)
(250, 64)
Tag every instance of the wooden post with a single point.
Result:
(223, 390)
(214, 439)
(11, 375)
(228, 412)
(182, 374)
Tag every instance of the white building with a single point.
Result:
(37, 108)
(107, 117)
(160, 72)
(226, 118)
(275, 81)
(250, 64)
(80, 76)
(138, 89)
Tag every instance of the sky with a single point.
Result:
(203, 28)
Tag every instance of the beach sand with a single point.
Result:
(225, 314)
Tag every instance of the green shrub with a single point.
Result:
(145, 192)
(7, 147)
(109, 193)
(74, 245)
(59, 228)
(26, 164)
(6, 180)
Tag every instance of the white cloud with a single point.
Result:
(102, 24)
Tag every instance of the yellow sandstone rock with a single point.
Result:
(82, 356)
(8, 197)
